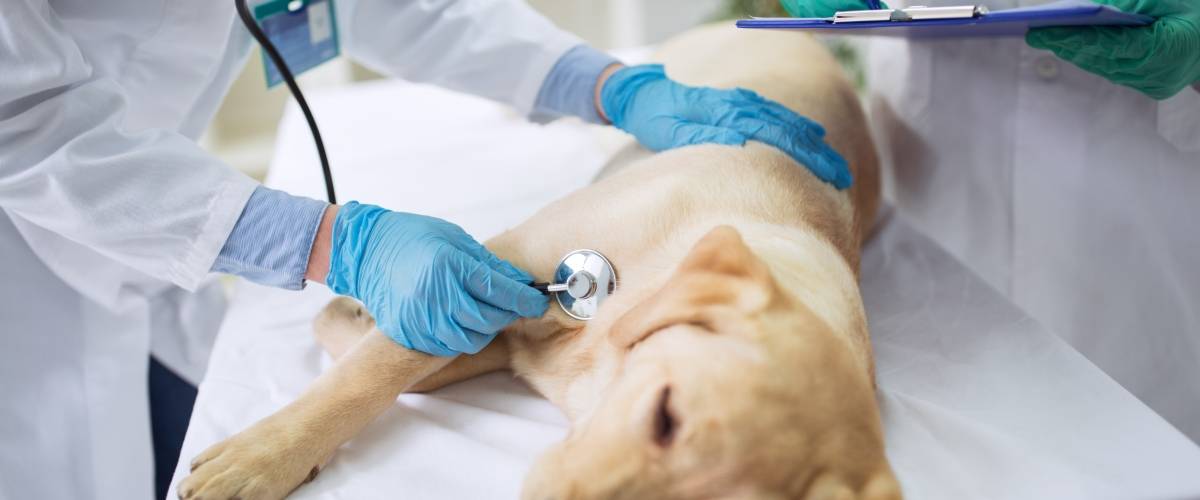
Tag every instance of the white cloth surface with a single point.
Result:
(978, 400)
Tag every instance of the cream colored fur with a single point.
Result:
(733, 362)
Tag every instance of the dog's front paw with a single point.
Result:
(266, 461)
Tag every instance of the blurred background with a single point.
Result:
(243, 132)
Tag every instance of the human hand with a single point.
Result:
(429, 285)
(663, 114)
(1158, 60)
(823, 8)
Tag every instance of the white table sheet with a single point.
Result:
(978, 400)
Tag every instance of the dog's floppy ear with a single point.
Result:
(720, 279)
(722, 251)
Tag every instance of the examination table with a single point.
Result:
(978, 400)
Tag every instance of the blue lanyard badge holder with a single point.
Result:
(303, 31)
(295, 36)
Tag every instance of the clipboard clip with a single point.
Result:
(915, 13)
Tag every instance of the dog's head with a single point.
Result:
(727, 388)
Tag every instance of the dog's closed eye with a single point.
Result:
(665, 422)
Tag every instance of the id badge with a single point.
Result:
(303, 31)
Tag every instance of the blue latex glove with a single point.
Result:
(429, 285)
(663, 114)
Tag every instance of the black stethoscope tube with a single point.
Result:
(256, 32)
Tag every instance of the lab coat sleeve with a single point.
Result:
(498, 49)
(570, 87)
(273, 239)
(149, 199)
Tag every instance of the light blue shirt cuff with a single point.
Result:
(570, 87)
(272, 239)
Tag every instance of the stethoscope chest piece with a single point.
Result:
(583, 280)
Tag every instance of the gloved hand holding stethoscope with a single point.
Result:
(429, 285)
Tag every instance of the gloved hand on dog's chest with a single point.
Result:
(663, 114)
(430, 286)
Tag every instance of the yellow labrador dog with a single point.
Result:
(733, 362)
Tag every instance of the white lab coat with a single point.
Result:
(1078, 198)
(112, 215)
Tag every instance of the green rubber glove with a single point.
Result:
(1159, 60)
(823, 8)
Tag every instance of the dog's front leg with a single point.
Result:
(286, 449)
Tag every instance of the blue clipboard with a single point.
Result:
(1011, 22)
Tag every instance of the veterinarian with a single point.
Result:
(113, 217)
(1065, 169)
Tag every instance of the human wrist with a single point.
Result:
(318, 256)
(600, 81)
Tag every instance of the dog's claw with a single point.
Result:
(312, 474)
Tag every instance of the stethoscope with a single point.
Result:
(583, 279)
